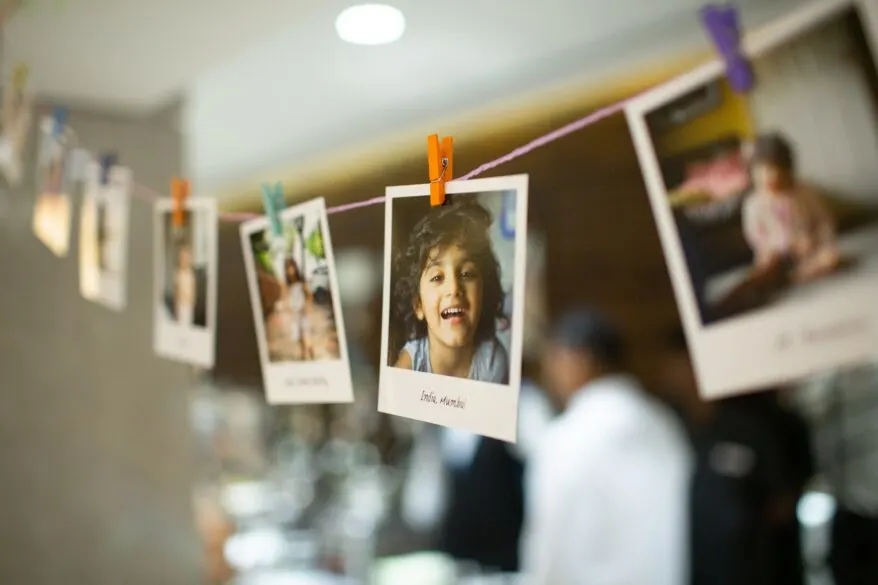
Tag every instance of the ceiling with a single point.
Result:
(269, 87)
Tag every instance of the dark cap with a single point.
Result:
(586, 329)
(773, 148)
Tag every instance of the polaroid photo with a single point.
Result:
(296, 307)
(54, 188)
(14, 128)
(454, 285)
(185, 281)
(103, 235)
(767, 202)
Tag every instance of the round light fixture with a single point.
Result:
(370, 24)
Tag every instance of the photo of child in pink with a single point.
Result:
(785, 221)
(447, 298)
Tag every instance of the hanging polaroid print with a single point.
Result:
(14, 125)
(454, 283)
(103, 235)
(185, 281)
(54, 186)
(296, 307)
(767, 202)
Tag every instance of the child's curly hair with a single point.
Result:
(464, 223)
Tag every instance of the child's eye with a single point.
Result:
(468, 274)
(436, 278)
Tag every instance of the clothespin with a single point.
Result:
(273, 200)
(440, 160)
(179, 194)
(108, 161)
(19, 76)
(59, 116)
(721, 24)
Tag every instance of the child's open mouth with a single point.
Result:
(453, 314)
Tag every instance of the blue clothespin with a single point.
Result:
(108, 161)
(273, 200)
(60, 120)
(721, 23)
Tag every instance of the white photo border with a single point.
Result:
(490, 409)
(192, 345)
(112, 290)
(279, 378)
(717, 350)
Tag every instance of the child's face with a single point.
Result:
(769, 178)
(450, 296)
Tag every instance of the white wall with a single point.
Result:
(814, 91)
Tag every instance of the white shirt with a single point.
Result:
(607, 491)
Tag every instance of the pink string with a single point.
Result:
(149, 195)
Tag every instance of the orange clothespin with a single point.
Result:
(440, 158)
(179, 193)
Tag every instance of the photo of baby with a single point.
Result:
(296, 308)
(185, 281)
(453, 313)
(767, 202)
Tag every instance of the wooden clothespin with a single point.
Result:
(59, 117)
(273, 201)
(179, 194)
(19, 77)
(108, 161)
(722, 25)
(440, 159)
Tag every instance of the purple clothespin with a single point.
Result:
(721, 23)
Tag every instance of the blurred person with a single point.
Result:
(752, 462)
(606, 489)
(841, 409)
(482, 523)
(470, 489)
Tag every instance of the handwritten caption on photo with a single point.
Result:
(442, 400)
(306, 381)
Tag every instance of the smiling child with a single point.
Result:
(448, 296)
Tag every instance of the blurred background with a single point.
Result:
(119, 467)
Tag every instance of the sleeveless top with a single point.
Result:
(490, 361)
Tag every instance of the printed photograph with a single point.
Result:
(454, 304)
(14, 127)
(103, 236)
(773, 193)
(185, 281)
(451, 282)
(184, 275)
(295, 291)
(52, 207)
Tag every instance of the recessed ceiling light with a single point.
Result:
(370, 24)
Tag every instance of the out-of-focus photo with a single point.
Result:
(774, 210)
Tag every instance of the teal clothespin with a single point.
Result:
(273, 200)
